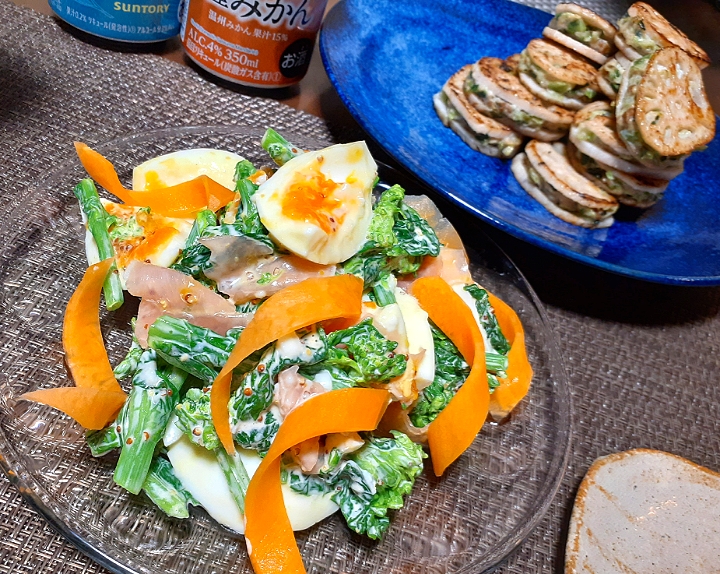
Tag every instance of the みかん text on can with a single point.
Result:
(260, 43)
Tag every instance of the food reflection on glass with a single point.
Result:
(298, 341)
(621, 151)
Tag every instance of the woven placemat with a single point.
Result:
(642, 359)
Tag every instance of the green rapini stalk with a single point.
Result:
(280, 150)
(383, 290)
(143, 418)
(103, 441)
(496, 363)
(195, 420)
(166, 491)
(235, 474)
(97, 223)
(129, 364)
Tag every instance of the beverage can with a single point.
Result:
(122, 20)
(259, 43)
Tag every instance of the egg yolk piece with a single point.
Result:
(319, 204)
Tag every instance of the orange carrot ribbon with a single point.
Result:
(181, 200)
(269, 535)
(297, 306)
(519, 372)
(97, 396)
(457, 425)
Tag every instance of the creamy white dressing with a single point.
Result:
(470, 302)
(291, 347)
(325, 379)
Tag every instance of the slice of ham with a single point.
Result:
(293, 389)
(452, 265)
(169, 292)
(261, 277)
(312, 455)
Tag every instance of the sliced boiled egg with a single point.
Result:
(148, 236)
(180, 166)
(199, 472)
(142, 235)
(419, 337)
(319, 204)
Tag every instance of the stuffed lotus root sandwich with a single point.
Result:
(583, 31)
(496, 91)
(481, 133)
(557, 75)
(662, 111)
(547, 175)
(644, 31)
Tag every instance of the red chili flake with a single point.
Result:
(391, 355)
(129, 440)
(247, 391)
(196, 431)
(261, 368)
(118, 428)
(146, 435)
(190, 298)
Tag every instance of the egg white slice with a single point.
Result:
(419, 335)
(319, 204)
(184, 165)
(199, 472)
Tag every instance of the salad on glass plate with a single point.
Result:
(302, 340)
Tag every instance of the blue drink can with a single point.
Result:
(122, 20)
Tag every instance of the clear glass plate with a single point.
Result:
(467, 521)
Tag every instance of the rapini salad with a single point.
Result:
(297, 342)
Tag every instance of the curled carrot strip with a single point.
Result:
(181, 200)
(519, 373)
(297, 306)
(85, 352)
(93, 409)
(97, 396)
(270, 539)
(455, 428)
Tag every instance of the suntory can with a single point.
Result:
(259, 43)
(136, 21)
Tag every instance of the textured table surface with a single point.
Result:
(642, 359)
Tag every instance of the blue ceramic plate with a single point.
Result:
(387, 58)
